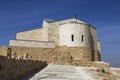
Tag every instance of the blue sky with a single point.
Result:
(19, 15)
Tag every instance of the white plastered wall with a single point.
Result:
(66, 30)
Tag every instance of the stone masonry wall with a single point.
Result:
(93, 34)
(42, 44)
(54, 55)
(74, 53)
(53, 33)
(3, 50)
(78, 56)
(35, 34)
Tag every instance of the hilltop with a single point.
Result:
(67, 72)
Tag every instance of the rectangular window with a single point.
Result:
(72, 37)
(82, 39)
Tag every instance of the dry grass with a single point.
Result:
(11, 69)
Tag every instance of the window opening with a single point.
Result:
(72, 37)
(82, 38)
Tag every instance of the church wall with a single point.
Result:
(99, 46)
(36, 34)
(53, 29)
(78, 56)
(42, 44)
(75, 34)
(53, 33)
(45, 25)
(94, 46)
(93, 34)
(54, 55)
(3, 51)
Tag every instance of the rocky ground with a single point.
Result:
(67, 72)
(116, 72)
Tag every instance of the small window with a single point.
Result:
(72, 37)
(82, 39)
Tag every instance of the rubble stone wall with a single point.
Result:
(54, 55)
(78, 56)
(3, 50)
(11, 69)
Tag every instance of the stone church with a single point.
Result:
(70, 36)
(69, 32)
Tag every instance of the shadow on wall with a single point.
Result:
(95, 55)
(92, 48)
(9, 51)
(11, 69)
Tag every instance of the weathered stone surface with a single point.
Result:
(67, 72)
(5, 51)
(58, 55)
(28, 43)
(35, 34)
(11, 69)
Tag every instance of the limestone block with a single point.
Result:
(35, 34)
(5, 51)
(41, 44)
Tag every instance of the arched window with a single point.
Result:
(82, 38)
(72, 37)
